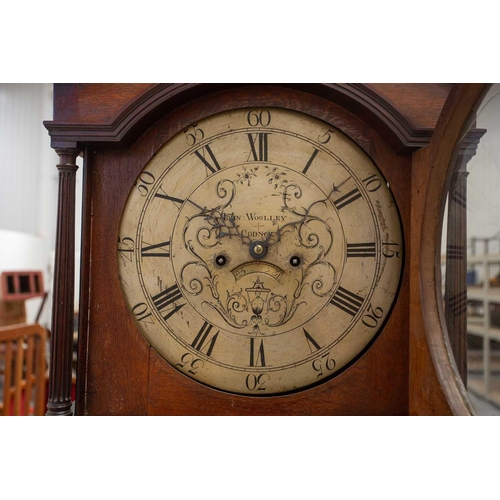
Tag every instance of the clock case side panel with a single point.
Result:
(113, 358)
(84, 297)
(125, 376)
(436, 387)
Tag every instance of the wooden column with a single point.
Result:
(456, 253)
(456, 271)
(61, 345)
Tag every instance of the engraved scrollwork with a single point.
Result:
(259, 307)
(306, 235)
(236, 303)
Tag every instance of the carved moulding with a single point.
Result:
(397, 130)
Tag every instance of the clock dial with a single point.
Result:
(260, 251)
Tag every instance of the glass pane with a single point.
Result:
(471, 257)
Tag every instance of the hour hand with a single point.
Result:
(336, 188)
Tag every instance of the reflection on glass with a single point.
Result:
(471, 257)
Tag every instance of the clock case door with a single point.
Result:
(118, 372)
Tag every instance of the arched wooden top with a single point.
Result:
(382, 106)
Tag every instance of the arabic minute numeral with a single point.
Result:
(141, 313)
(190, 363)
(256, 118)
(257, 382)
(142, 184)
(126, 247)
(373, 315)
(389, 252)
(325, 138)
(372, 183)
(323, 365)
(194, 134)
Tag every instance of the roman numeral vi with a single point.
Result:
(257, 356)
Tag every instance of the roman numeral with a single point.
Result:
(311, 342)
(261, 154)
(361, 249)
(214, 166)
(347, 301)
(171, 198)
(147, 250)
(167, 297)
(203, 339)
(257, 357)
(306, 168)
(455, 252)
(347, 198)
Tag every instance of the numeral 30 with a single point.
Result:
(257, 382)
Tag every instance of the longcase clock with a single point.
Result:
(247, 250)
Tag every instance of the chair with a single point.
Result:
(22, 370)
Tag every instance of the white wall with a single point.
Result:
(26, 164)
(483, 183)
(29, 185)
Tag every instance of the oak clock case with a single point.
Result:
(260, 251)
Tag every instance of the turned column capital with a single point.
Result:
(67, 157)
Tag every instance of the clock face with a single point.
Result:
(260, 251)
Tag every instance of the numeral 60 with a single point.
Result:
(256, 118)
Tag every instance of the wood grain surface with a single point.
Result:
(436, 387)
(120, 374)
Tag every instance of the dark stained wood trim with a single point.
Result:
(61, 345)
(120, 380)
(85, 289)
(400, 133)
(155, 102)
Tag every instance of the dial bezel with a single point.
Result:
(401, 250)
